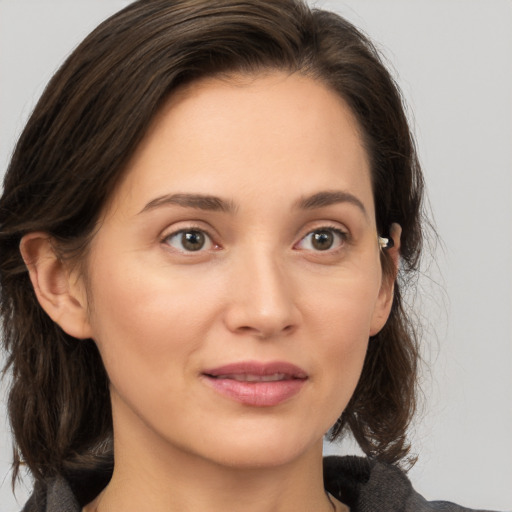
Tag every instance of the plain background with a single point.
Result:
(454, 63)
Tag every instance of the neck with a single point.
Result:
(200, 485)
(154, 476)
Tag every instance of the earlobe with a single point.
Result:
(59, 293)
(386, 293)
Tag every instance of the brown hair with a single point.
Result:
(79, 139)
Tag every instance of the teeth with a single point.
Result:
(254, 378)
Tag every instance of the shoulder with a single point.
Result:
(53, 495)
(70, 493)
(367, 485)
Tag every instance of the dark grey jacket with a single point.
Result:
(362, 484)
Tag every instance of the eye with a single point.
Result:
(189, 240)
(323, 239)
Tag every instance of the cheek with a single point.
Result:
(143, 322)
(344, 354)
(341, 319)
(344, 306)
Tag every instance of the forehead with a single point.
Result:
(282, 134)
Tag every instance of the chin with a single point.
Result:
(253, 459)
(272, 449)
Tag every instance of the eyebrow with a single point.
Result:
(217, 204)
(197, 201)
(328, 198)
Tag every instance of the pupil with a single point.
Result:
(322, 240)
(193, 240)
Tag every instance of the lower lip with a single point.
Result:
(257, 394)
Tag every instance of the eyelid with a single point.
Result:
(342, 232)
(183, 227)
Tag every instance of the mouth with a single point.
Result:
(257, 384)
(246, 377)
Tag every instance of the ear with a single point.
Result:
(60, 294)
(386, 292)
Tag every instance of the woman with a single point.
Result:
(201, 231)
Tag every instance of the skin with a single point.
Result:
(257, 290)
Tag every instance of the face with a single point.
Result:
(235, 278)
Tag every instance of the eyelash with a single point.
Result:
(190, 230)
(342, 235)
(343, 238)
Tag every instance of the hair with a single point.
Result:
(75, 147)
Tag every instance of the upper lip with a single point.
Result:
(259, 369)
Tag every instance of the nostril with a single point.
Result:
(263, 332)
(246, 328)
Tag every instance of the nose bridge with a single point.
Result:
(262, 296)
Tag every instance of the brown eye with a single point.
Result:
(323, 239)
(193, 240)
(189, 240)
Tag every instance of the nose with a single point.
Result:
(262, 298)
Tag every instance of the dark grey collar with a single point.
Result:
(365, 485)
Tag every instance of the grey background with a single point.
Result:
(454, 64)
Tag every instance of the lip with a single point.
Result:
(256, 384)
